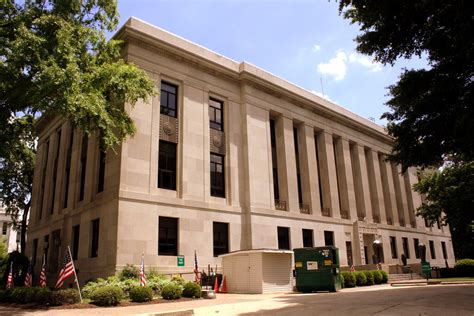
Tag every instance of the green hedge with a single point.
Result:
(63, 297)
(349, 279)
(171, 291)
(369, 277)
(109, 295)
(191, 289)
(464, 268)
(378, 278)
(141, 294)
(361, 278)
(384, 276)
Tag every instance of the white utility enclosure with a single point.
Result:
(258, 271)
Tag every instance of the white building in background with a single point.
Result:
(8, 234)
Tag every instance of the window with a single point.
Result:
(4, 228)
(308, 238)
(443, 248)
(217, 176)
(168, 99)
(101, 174)
(432, 250)
(95, 238)
(34, 251)
(46, 247)
(298, 175)
(276, 190)
(416, 243)
(216, 115)
(221, 238)
(328, 238)
(167, 166)
(43, 179)
(55, 169)
(393, 247)
(350, 260)
(83, 162)
(406, 251)
(167, 236)
(284, 238)
(75, 241)
(68, 167)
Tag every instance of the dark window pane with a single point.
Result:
(217, 176)
(284, 238)
(328, 238)
(350, 260)
(83, 166)
(168, 99)
(393, 247)
(443, 247)
(221, 238)
(432, 250)
(95, 238)
(416, 243)
(167, 165)
(308, 238)
(406, 251)
(216, 115)
(167, 236)
(75, 241)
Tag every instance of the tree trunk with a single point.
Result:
(24, 226)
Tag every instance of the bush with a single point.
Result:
(157, 284)
(141, 294)
(361, 278)
(18, 295)
(42, 295)
(384, 276)
(192, 289)
(349, 279)
(464, 268)
(340, 279)
(447, 273)
(129, 272)
(3, 296)
(20, 263)
(171, 291)
(62, 297)
(109, 295)
(370, 277)
(178, 280)
(378, 278)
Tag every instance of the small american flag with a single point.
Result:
(142, 273)
(197, 273)
(66, 271)
(29, 276)
(42, 280)
(353, 268)
(10, 277)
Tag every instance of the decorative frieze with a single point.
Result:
(169, 128)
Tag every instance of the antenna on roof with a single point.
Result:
(322, 87)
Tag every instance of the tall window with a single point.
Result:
(43, 178)
(318, 165)
(46, 246)
(216, 115)
(168, 99)
(406, 250)
(297, 158)
(393, 247)
(221, 238)
(283, 238)
(68, 167)
(217, 176)
(416, 243)
(75, 241)
(101, 174)
(95, 237)
(35, 251)
(167, 166)
(276, 189)
(308, 238)
(350, 260)
(432, 250)
(328, 238)
(55, 169)
(85, 141)
(4, 228)
(167, 236)
(443, 248)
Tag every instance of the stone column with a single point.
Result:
(346, 179)
(400, 195)
(37, 198)
(328, 175)
(309, 168)
(388, 190)
(361, 182)
(416, 198)
(287, 178)
(410, 196)
(376, 189)
(48, 175)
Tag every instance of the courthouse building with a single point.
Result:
(227, 157)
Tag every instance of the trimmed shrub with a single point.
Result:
(157, 284)
(129, 272)
(18, 295)
(62, 297)
(370, 277)
(141, 294)
(447, 272)
(178, 280)
(349, 279)
(361, 278)
(3, 296)
(384, 276)
(171, 291)
(378, 278)
(340, 279)
(192, 289)
(42, 295)
(109, 295)
(464, 268)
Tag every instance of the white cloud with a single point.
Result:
(316, 48)
(365, 62)
(324, 96)
(336, 67)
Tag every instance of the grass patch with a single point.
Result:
(455, 279)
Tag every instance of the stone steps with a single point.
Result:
(404, 277)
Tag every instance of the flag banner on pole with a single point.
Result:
(66, 271)
(42, 279)
(142, 273)
(197, 273)
(29, 276)
(10, 277)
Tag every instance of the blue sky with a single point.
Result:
(302, 41)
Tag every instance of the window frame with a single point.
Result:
(162, 251)
(220, 245)
(95, 238)
(163, 171)
(75, 236)
(214, 124)
(166, 109)
(217, 191)
(309, 232)
(283, 232)
(432, 249)
(406, 247)
(328, 233)
(393, 247)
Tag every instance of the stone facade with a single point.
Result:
(338, 180)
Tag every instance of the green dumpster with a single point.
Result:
(317, 269)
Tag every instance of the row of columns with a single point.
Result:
(355, 181)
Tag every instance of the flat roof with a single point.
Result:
(263, 250)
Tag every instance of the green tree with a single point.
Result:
(431, 110)
(55, 60)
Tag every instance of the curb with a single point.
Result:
(431, 282)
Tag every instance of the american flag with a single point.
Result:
(197, 273)
(10, 277)
(29, 276)
(352, 268)
(142, 273)
(66, 271)
(42, 280)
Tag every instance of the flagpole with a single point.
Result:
(75, 275)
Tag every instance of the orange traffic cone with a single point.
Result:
(216, 285)
(223, 285)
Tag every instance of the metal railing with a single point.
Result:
(304, 209)
(326, 212)
(402, 222)
(280, 205)
(344, 214)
